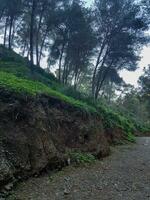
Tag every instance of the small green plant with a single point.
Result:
(130, 137)
(82, 158)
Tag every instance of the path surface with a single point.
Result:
(125, 175)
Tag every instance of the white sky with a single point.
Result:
(132, 77)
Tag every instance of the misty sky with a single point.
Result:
(132, 77)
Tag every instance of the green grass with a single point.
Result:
(13, 63)
(113, 120)
(17, 69)
(7, 55)
(33, 88)
(23, 71)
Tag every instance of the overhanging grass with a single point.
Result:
(20, 85)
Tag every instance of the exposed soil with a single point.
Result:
(125, 175)
(36, 133)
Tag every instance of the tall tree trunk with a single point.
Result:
(96, 89)
(2, 13)
(110, 92)
(37, 42)
(10, 32)
(24, 48)
(5, 32)
(13, 33)
(63, 75)
(97, 64)
(42, 45)
(38, 32)
(60, 62)
(65, 71)
(37, 53)
(32, 32)
(28, 53)
(103, 79)
(66, 75)
(75, 82)
(77, 76)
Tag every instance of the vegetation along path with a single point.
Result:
(125, 175)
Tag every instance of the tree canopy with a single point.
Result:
(87, 47)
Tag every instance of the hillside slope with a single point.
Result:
(40, 125)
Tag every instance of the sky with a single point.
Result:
(132, 77)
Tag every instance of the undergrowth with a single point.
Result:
(113, 120)
(81, 158)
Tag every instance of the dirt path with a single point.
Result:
(125, 175)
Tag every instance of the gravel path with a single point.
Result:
(125, 175)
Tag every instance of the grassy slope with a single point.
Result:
(33, 88)
(15, 74)
(13, 63)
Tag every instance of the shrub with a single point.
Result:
(113, 119)
(81, 158)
